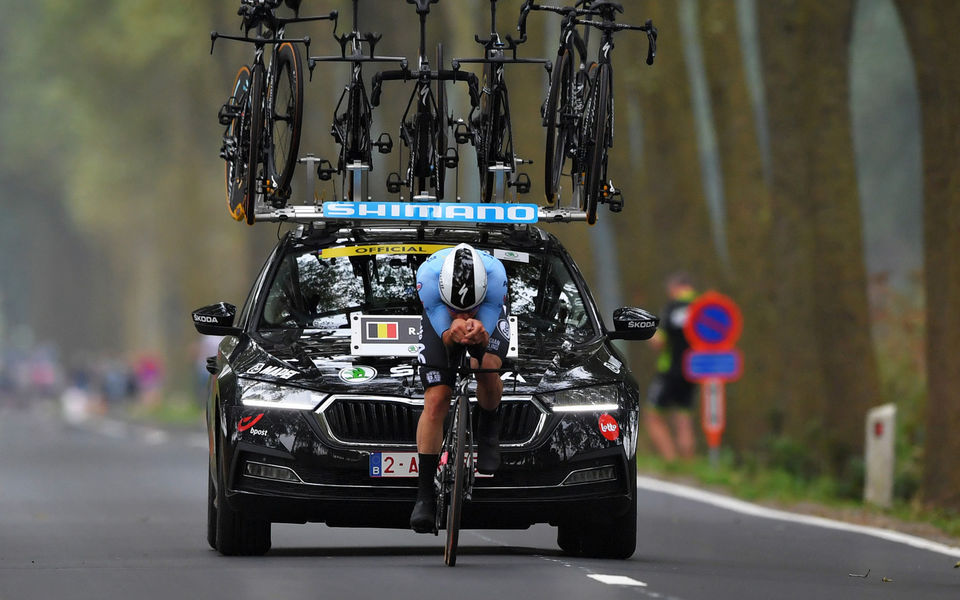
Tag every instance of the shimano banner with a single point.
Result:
(433, 211)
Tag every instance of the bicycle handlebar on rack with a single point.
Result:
(566, 11)
(610, 27)
(404, 74)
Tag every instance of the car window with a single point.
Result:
(309, 291)
(545, 298)
(319, 293)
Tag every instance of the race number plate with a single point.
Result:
(400, 464)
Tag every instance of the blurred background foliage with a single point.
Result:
(799, 156)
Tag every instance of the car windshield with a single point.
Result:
(319, 289)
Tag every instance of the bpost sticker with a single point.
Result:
(382, 249)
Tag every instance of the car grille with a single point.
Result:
(378, 421)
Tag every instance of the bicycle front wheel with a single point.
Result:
(286, 119)
(236, 143)
(459, 484)
(558, 103)
(256, 135)
(597, 156)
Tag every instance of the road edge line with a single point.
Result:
(755, 510)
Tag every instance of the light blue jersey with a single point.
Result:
(428, 286)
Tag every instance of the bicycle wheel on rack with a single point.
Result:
(493, 143)
(286, 120)
(235, 144)
(558, 133)
(254, 158)
(459, 484)
(597, 154)
(441, 149)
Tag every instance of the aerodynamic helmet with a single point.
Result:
(463, 278)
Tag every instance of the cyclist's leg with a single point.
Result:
(438, 389)
(489, 393)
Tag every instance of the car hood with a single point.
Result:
(321, 361)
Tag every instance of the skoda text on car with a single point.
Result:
(315, 392)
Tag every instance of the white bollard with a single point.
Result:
(879, 453)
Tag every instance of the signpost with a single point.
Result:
(713, 326)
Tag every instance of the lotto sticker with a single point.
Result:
(609, 428)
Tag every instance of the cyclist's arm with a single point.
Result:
(429, 291)
(489, 312)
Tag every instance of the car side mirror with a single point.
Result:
(216, 319)
(631, 323)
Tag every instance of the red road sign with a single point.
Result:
(714, 322)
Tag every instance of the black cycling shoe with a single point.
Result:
(488, 442)
(423, 519)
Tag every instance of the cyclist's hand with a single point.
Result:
(475, 333)
(458, 331)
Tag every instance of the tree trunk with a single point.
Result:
(821, 293)
(930, 27)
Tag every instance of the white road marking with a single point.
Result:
(732, 504)
(616, 580)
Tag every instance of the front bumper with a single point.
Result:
(327, 481)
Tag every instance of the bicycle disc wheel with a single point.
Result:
(558, 133)
(236, 142)
(287, 118)
(256, 133)
(459, 484)
(441, 149)
(596, 157)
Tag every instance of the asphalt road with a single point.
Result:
(103, 510)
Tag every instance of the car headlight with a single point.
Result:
(591, 399)
(271, 395)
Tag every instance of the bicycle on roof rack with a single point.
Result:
(490, 130)
(264, 112)
(425, 132)
(578, 112)
(353, 113)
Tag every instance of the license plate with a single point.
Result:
(400, 464)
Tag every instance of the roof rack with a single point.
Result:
(379, 213)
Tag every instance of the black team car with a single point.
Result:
(315, 394)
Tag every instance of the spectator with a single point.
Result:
(670, 394)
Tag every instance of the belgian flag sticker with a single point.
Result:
(382, 330)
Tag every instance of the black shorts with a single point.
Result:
(667, 392)
(434, 352)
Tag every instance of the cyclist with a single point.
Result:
(670, 392)
(464, 294)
